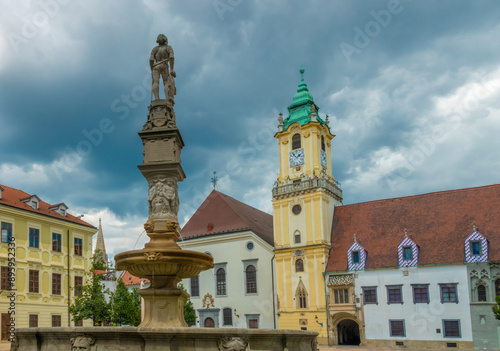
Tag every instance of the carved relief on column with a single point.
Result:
(163, 198)
(159, 150)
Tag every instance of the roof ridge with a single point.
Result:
(424, 194)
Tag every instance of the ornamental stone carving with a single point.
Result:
(163, 198)
(83, 343)
(314, 345)
(233, 344)
(152, 256)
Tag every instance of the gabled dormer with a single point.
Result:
(1, 190)
(407, 252)
(60, 208)
(32, 201)
(476, 247)
(356, 256)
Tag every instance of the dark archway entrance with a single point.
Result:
(348, 332)
(209, 323)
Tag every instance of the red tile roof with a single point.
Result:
(220, 214)
(129, 279)
(438, 222)
(12, 197)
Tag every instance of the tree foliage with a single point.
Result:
(189, 313)
(126, 306)
(496, 308)
(92, 304)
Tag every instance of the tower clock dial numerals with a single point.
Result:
(296, 157)
(323, 159)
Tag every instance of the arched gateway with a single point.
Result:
(348, 332)
(209, 323)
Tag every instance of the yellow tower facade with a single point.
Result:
(304, 199)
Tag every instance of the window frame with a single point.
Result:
(323, 143)
(34, 284)
(78, 246)
(251, 287)
(448, 285)
(78, 281)
(483, 294)
(341, 296)
(33, 320)
(479, 245)
(56, 284)
(296, 141)
(420, 286)
(227, 313)
(5, 226)
(407, 248)
(56, 319)
(297, 239)
(369, 288)
(394, 287)
(4, 278)
(220, 286)
(459, 328)
(194, 284)
(34, 237)
(355, 257)
(58, 239)
(299, 265)
(391, 331)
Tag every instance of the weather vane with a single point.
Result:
(214, 180)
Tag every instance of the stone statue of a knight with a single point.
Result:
(161, 62)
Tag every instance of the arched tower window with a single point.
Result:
(301, 295)
(296, 237)
(323, 143)
(251, 279)
(299, 265)
(221, 281)
(296, 141)
(481, 293)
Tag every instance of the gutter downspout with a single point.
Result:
(69, 284)
(272, 279)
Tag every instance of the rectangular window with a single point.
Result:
(56, 320)
(33, 321)
(397, 327)
(5, 279)
(78, 247)
(341, 296)
(195, 286)
(33, 282)
(56, 284)
(449, 293)
(475, 248)
(370, 295)
(34, 204)
(420, 293)
(34, 237)
(56, 242)
(78, 285)
(394, 294)
(228, 316)
(451, 328)
(355, 257)
(297, 238)
(253, 323)
(6, 232)
(407, 253)
(79, 323)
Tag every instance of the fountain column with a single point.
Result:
(162, 261)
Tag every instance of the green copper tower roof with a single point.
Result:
(300, 109)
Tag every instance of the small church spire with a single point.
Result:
(100, 244)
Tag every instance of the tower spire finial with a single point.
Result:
(214, 180)
(474, 226)
(302, 70)
(406, 233)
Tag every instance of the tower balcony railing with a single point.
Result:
(306, 185)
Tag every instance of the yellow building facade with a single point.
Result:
(46, 253)
(304, 199)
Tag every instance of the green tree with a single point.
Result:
(92, 304)
(189, 313)
(126, 305)
(496, 308)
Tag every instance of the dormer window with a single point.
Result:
(34, 204)
(356, 257)
(62, 212)
(476, 247)
(60, 209)
(407, 252)
(32, 201)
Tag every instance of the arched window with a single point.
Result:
(301, 296)
(221, 281)
(481, 293)
(227, 315)
(296, 236)
(296, 141)
(251, 279)
(497, 287)
(299, 265)
(323, 143)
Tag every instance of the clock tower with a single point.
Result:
(304, 198)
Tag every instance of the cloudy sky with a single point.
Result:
(412, 89)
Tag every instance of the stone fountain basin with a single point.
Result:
(163, 262)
